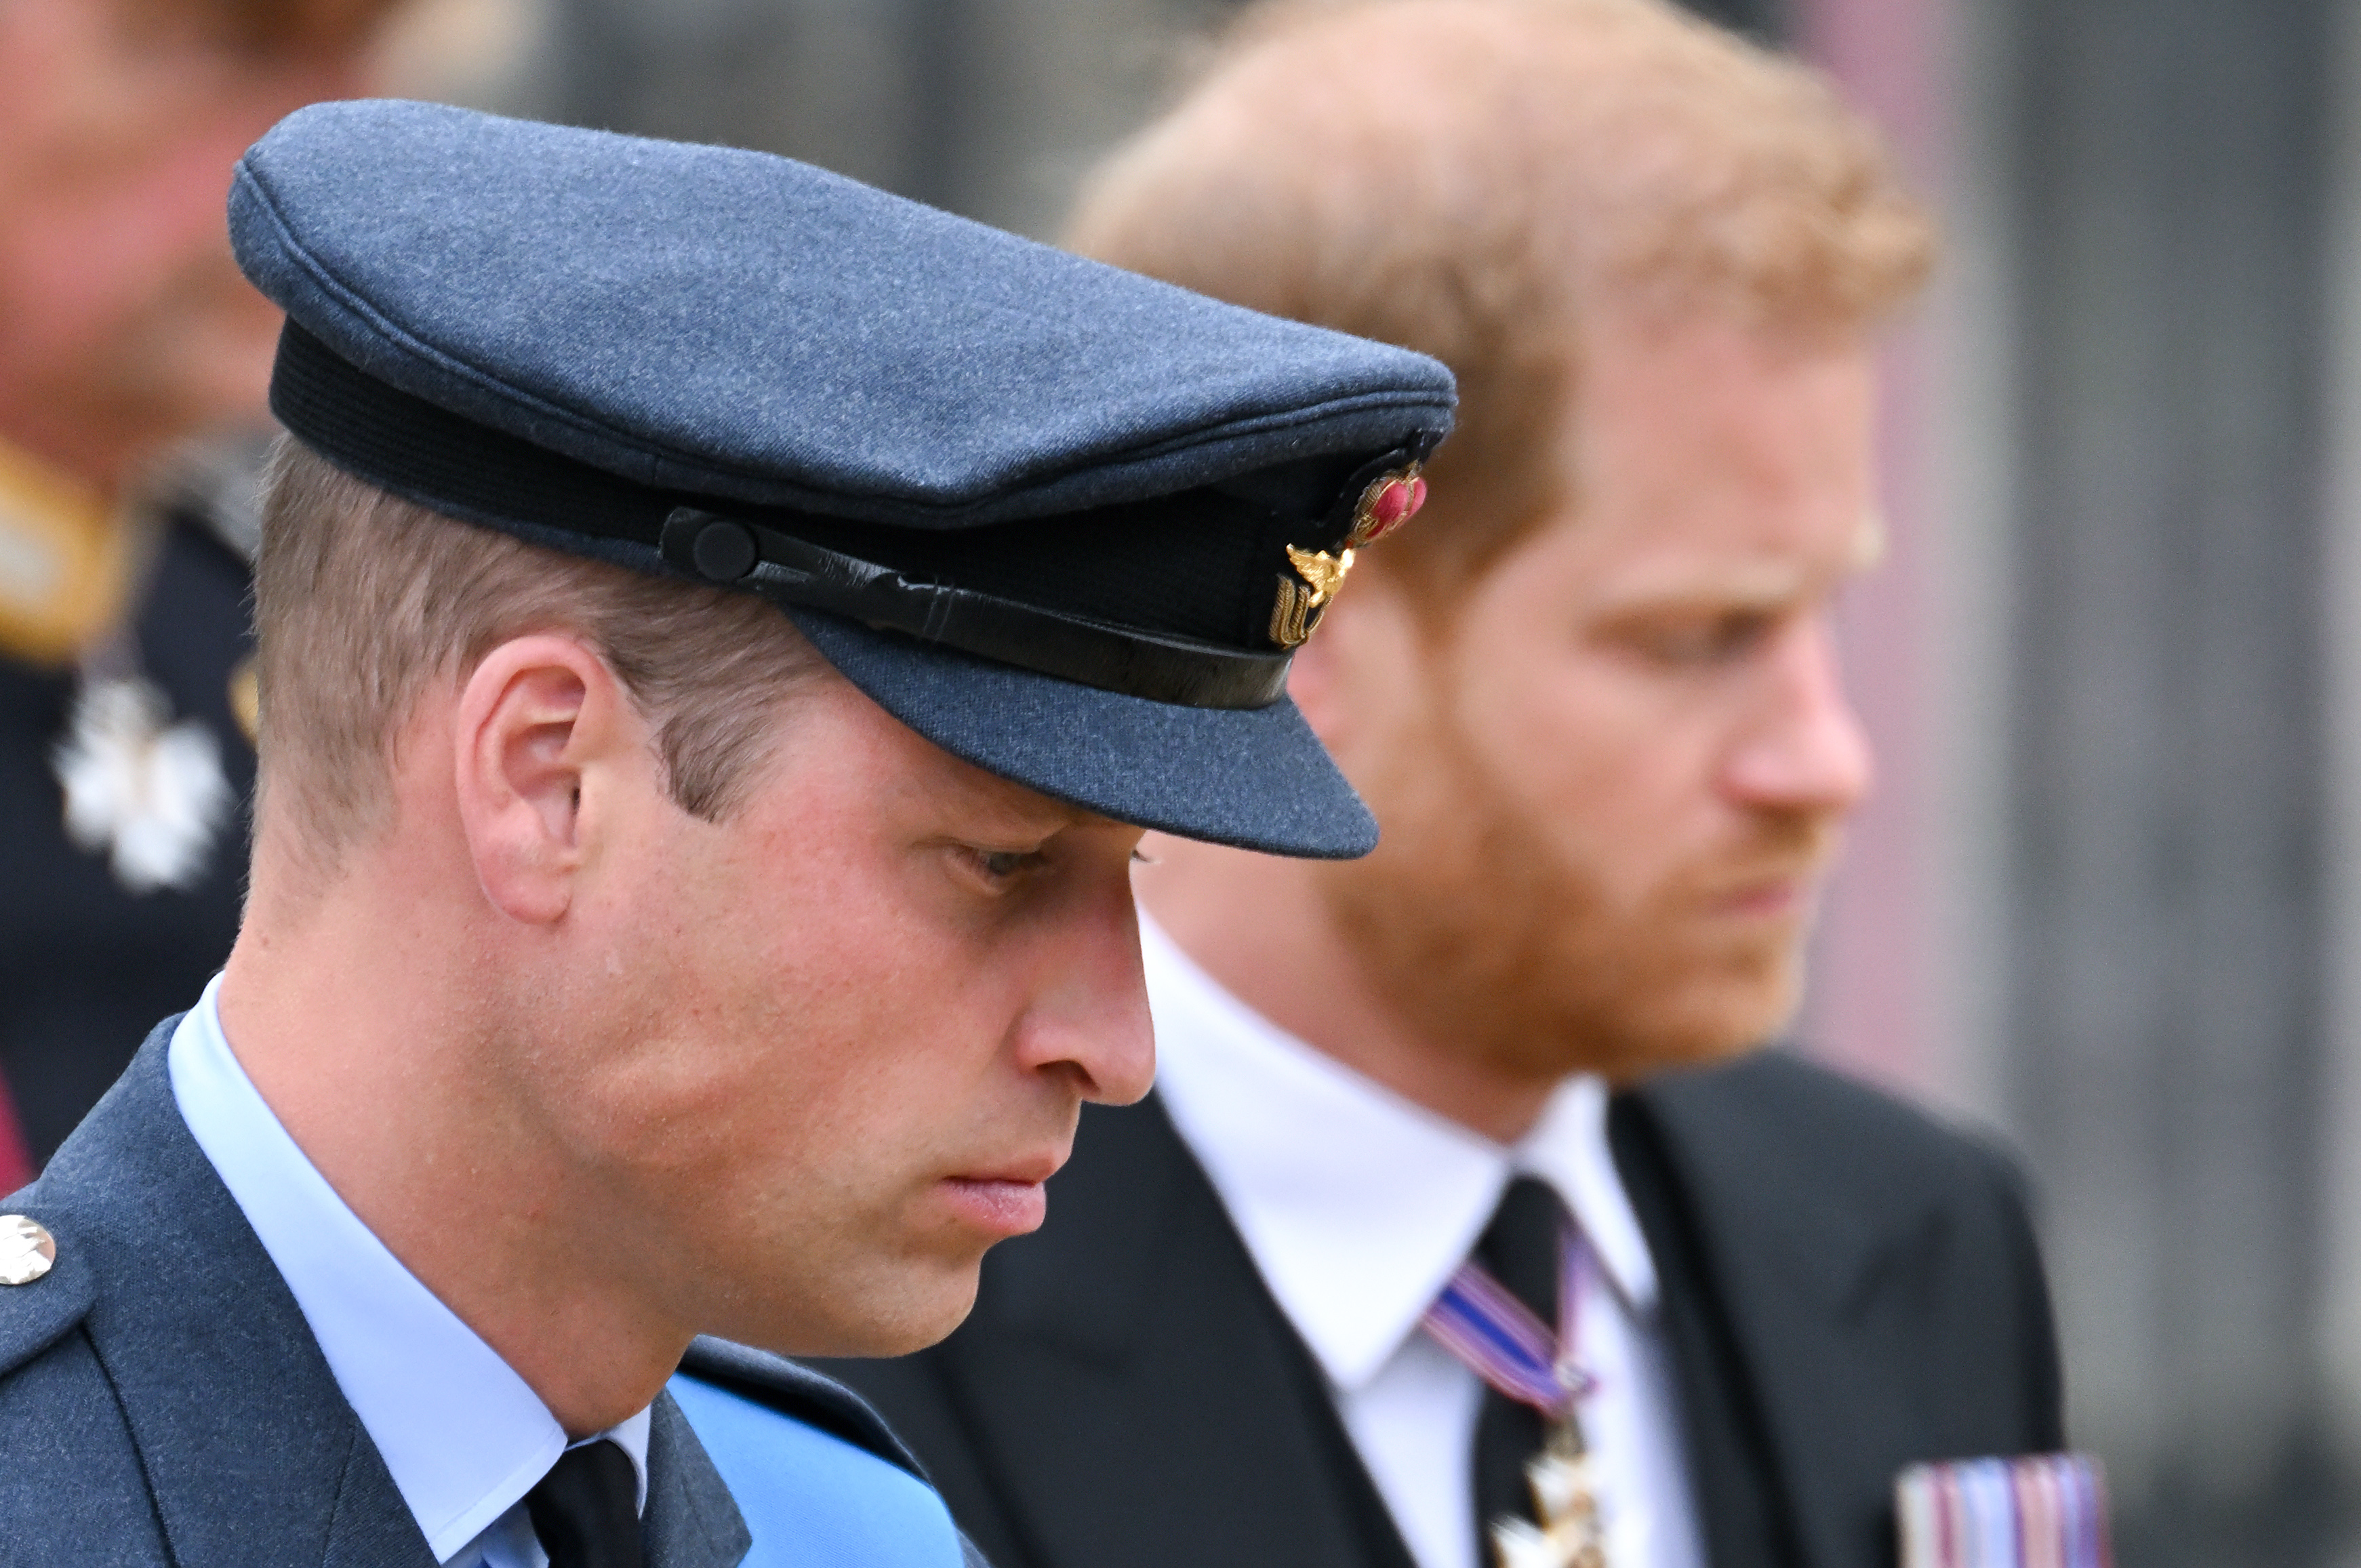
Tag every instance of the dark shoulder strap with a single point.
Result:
(799, 1393)
(1741, 1510)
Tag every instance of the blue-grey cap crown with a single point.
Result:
(743, 326)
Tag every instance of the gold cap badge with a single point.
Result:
(26, 1250)
(1317, 579)
(1389, 501)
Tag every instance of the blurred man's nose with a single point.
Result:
(1801, 747)
(1090, 1022)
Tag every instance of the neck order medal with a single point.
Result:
(1498, 1337)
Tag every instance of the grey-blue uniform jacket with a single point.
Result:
(162, 1401)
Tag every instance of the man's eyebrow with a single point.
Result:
(1011, 807)
(1764, 587)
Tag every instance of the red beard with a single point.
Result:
(1473, 921)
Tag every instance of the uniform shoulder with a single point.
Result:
(799, 1394)
(1773, 1110)
(47, 1283)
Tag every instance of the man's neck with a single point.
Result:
(1259, 926)
(360, 1026)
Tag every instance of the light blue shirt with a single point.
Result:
(464, 1436)
(811, 1499)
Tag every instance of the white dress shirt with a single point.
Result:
(1357, 1205)
(464, 1437)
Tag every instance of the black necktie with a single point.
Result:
(1520, 1247)
(587, 1509)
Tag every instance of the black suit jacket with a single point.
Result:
(1848, 1287)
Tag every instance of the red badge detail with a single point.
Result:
(1385, 505)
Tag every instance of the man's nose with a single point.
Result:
(1089, 1020)
(1802, 747)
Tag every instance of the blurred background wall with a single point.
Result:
(2108, 900)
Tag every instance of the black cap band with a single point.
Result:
(1199, 640)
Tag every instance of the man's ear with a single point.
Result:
(544, 738)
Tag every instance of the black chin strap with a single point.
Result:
(790, 571)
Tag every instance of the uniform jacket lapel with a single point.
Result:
(1128, 1380)
(252, 1453)
(249, 1449)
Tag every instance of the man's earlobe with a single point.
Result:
(536, 720)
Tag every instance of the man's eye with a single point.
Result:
(1713, 640)
(1006, 865)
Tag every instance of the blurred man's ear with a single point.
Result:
(1317, 682)
(1362, 665)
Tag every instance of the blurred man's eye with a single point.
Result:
(1702, 640)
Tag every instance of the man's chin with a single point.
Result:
(1721, 1025)
(905, 1314)
(1684, 1053)
(906, 1341)
(1704, 1024)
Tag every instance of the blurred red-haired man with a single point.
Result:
(1593, 700)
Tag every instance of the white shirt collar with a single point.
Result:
(464, 1436)
(1356, 1203)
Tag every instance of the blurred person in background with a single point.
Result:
(1469, 1222)
(133, 365)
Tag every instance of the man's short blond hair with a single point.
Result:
(362, 598)
(1473, 177)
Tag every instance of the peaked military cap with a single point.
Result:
(1065, 522)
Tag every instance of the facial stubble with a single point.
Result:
(1486, 933)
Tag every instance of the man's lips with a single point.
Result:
(1786, 891)
(1030, 1169)
(1783, 896)
(1010, 1207)
(1010, 1198)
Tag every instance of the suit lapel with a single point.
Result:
(251, 1452)
(1135, 1393)
(1807, 1283)
(1742, 1512)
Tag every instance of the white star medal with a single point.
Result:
(1565, 1498)
(149, 794)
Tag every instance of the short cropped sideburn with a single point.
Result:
(362, 598)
